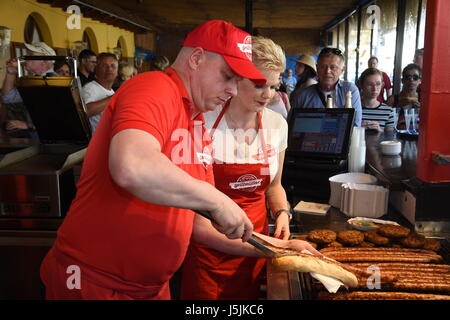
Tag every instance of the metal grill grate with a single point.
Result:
(308, 289)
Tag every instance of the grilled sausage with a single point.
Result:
(379, 249)
(406, 266)
(362, 295)
(385, 258)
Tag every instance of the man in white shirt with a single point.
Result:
(98, 93)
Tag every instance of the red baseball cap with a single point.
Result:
(233, 44)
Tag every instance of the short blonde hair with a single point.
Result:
(159, 63)
(268, 55)
(126, 72)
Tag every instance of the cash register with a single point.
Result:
(318, 145)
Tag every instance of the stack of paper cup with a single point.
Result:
(357, 153)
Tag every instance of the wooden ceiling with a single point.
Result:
(165, 15)
(280, 14)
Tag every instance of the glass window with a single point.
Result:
(364, 42)
(341, 43)
(384, 36)
(352, 47)
(409, 40)
(421, 39)
(334, 31)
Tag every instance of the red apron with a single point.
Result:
(213, 275)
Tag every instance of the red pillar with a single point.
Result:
(434, 124)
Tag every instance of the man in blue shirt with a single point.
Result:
(330, 66)
(289, 81)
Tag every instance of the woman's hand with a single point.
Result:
(282, 227)
(373, 125)
(16, 125)
(300, 245)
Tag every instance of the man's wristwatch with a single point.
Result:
(287, 211)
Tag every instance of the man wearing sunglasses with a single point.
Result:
(330, 66)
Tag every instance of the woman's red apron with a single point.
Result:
(210, 274)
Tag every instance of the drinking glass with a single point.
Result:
(396, 114)
(409, 113)
(415, 120)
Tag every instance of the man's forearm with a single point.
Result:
(8, 83)
(150, 176)
(161, 182)
(97, 107)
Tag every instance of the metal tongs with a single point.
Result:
(254, 240)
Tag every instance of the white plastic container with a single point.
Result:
(352, 177)
(362, 200)
(391, 148)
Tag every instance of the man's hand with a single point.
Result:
(11, 67)
(232, 221)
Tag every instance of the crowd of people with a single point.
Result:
(131, 225)
(102, 75)
(372, 96)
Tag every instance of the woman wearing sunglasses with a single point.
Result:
(409, 96)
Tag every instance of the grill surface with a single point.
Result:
(308, 290)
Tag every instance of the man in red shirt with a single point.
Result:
(387, 86)
(147, 164)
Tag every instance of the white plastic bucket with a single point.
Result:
(352, 177)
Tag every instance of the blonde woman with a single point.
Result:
(159, 63)
(249, 143)
(126, 72)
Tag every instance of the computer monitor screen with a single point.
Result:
(320, 133)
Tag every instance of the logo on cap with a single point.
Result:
(246, 47)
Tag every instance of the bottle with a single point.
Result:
(329, 101)
(348, 99)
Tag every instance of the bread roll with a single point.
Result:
(309, 263)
